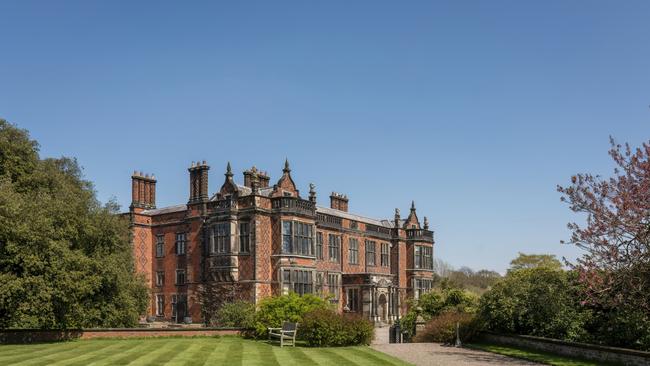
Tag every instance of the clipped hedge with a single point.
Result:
(326, 328)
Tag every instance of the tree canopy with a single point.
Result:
(65, 259)
(615, 267)
(524, 261)
(538, 301)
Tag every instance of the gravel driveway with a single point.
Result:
(434, 354)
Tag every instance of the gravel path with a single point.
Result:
(434, 354)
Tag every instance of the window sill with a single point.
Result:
(294, 256)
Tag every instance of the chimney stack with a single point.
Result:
(339, 201)
(198, 181)
(262, 178)
(143, 190)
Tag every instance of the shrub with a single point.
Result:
(324, 328)
(541, 301)
(275, 310)
(237, 314)
(442, 328)
(436, 302)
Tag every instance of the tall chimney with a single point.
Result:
(198, 181)
(339, 201)
(143, 190)
(262, 178)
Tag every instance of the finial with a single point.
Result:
(312, 192)
(396, 212)
(204, 163)
(228, 170)
(412, 205)
(286, 166)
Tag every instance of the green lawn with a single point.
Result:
(186, 351)
(537, 356)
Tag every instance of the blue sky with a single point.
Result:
(474, 109)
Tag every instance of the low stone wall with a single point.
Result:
(16, 336)
(564, 348)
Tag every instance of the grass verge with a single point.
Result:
(536, 356)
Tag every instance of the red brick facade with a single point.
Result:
(273, 241)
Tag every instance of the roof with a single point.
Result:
(245, 191)
(350, 216)
(165, 210)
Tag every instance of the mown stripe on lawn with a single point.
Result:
(17, 349)
(199, 357)
(27, 354)
(82, 359)
(117, 348)
(47, 358)
(333, 358)
(138, 349)
(180, 357)
(167, 355)
(300, 357)
(260, 354)
(234, 354)
(217, 356)
(162, 347)
(376, 357)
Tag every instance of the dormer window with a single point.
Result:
(287, 194)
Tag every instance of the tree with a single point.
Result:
(65, 260)
(535, 301)
(442, 268)
(535, 261)
(615, 267)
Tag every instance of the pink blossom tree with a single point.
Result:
(615, 268)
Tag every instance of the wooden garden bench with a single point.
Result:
(286, 334)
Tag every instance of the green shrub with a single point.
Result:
(540, 301)
(442, 328)
(275, 310)
(436, 302)
(325, 328)
(237, 314)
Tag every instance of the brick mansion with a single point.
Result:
(272, 240)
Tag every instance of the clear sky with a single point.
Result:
(476, 110)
